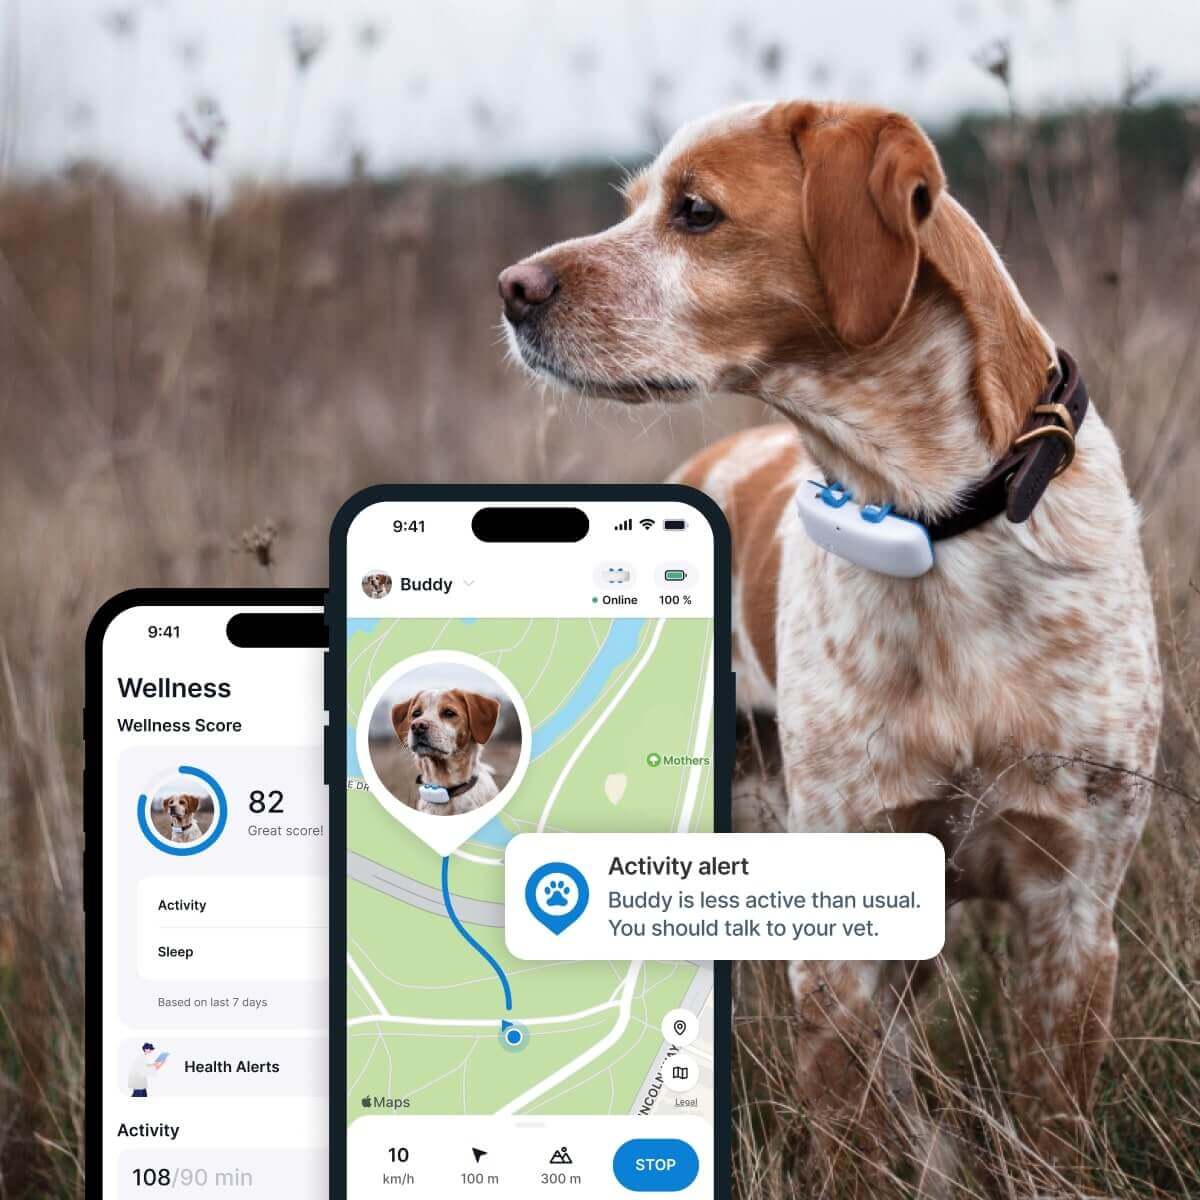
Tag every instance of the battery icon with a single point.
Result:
(674, 574)
(674, 523)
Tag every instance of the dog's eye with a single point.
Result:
(417, 712)
(448, 713)
(696, 215)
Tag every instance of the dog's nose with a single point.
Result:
(525, 286)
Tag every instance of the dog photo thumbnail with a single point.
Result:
(182, 810)
(445, 738)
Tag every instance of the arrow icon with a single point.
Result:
(475, 1150)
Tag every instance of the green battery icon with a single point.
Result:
(674, 574)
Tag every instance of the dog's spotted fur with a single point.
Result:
(1008, 701)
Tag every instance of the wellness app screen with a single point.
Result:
(495, 689)
(214, 878)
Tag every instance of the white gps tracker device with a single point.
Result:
(870, 535)
(432, 794)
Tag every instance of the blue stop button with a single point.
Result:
(655, 1165)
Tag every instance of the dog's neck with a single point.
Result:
(449, 770)
(914, 421)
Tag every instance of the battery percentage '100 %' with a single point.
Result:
(191, 1177)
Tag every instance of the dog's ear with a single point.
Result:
(871, 180)
(192, 803)
(401, 718)
(482, 712)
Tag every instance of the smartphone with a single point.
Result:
(206, 825)
(503, 660)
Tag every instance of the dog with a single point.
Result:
(446, 732)
(1008, 700)
(182, 810)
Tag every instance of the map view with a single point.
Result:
(442, 1019)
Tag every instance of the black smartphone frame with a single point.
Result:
(724, 711)
(93, 803)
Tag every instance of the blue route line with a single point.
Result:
(482, 950)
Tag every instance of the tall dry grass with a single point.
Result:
(187, 395)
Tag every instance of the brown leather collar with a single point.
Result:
(455, 789)
(1045, 448)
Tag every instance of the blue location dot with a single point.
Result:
(513, 1035)
(557, 894)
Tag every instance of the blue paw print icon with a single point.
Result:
(557, 894)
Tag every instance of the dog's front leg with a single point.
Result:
(840, 1069)
(1065, 1017)
(1063, 884)
(854, 1071)
(1065, 854)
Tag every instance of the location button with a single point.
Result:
(656, 1165)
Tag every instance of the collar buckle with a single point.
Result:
(1065, 432)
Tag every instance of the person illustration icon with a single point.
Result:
(138, 1079)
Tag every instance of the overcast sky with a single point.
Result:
(540, 82)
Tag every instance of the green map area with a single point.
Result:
(622, 742)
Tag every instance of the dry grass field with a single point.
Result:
(188, 393)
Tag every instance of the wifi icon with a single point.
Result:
(647, 522)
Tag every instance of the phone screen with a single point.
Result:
(495, 687)
(207, 921)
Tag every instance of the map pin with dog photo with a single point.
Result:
(557, 894)
(442, 741)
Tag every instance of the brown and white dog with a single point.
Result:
(182, 810)
(446, 732)
(1007, 701)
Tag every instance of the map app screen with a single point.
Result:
(496, 688)
(211, 1056)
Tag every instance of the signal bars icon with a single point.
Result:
(626, 525)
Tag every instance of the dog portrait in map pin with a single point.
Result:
(443, 740)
